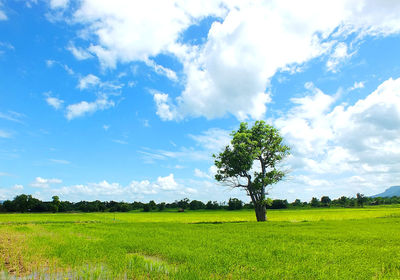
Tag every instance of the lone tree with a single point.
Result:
(250, 162)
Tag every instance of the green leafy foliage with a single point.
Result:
(314, 202)
(196, 205)
(235, 204)
(325, 201)
(252, 162)
(361, 199)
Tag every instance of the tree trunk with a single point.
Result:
(260, 212)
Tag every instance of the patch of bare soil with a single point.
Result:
(11, 254)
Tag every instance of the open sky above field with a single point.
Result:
(128, 100)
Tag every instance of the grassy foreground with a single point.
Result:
(293, 244)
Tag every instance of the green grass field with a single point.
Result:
(293, 244)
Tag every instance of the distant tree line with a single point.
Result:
(26, 203)
(325, 201)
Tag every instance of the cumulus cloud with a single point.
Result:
(356, 85)
(349, 141)
(112, 23)
(44, 183)
(82, 108)
(134, 190)
(59, 4)
(339, 55)
(91, 191)
(165, 110)
(55, 102)
(166, 183)
(142, 187)
(91, 81)
(88, 81)
(251, 41)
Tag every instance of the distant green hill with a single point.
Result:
(392, 191)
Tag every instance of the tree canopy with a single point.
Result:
(252, 162)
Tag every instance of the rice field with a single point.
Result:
(361, 243)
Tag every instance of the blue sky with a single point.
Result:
(119, 100)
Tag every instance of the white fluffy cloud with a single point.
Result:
(59, 4)
(142, 188)
(88, 81)
(91, 81)
(100, 189)
(118, 26)
(82, 108)
(358, 144)
(103, 91)
(230, 72)
(357, 85)
(44, 183)
(134, 190)
(339, 55)
(55, 102)
(166, 183)
(164, 110)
